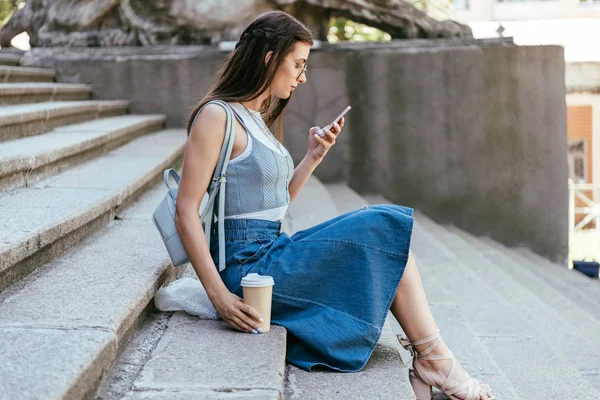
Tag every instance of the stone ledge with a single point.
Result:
(50, 210)
(24, 159)
(223, 359)
(383, 377)
(24, 74)
(36, 92)
(29, 88)
(64, 325)
(9, 59)
(184, 394)
(23, 120)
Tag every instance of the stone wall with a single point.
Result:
(468, 132)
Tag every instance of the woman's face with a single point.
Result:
(291, 72)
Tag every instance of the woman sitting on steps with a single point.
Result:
(334, 282)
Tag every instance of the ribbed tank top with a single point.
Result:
(257, 179)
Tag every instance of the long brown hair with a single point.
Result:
(245, 77)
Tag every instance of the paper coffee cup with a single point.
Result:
(258, 291)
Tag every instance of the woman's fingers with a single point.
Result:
(335, 128)
(247, 322)
(247, 309)
(329, 136)
(240, 325)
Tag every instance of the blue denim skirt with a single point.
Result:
(334, 282)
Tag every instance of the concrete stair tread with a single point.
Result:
(581, 290)
(345, 198)
(65, 136)
(22, 88)
(31, 153)
(10, 59)
(312, 206)
(379, 378)
(63, 325)
(531, 363)
(577, 294)
(19, 113)
(52, 208)
(557, 319)
(223, 360)
(16, 70)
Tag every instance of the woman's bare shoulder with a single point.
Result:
(210, 122)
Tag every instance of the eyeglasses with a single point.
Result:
(303, 68)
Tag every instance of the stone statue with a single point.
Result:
(86, 23)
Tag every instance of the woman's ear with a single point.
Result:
(268, 57)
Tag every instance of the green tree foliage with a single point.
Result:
(341, 29)
(8, 7)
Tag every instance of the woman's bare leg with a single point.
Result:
(411, 309)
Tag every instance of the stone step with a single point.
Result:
(25, 74)
(312, 206)
(62, 210)
(158, 364)
(345, 198)
(534, 366)
(10, 59)
(581, 289)
(557, 319)
(224, 362)
(35, 92)
(63, 326)
(17, 121)
(455, 329)
(383, 377)
(24, 161)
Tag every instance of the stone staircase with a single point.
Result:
(80, 262)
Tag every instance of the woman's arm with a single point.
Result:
(201, 155)
(202, 150)
(301, 174)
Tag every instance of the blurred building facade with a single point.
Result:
(574, 24)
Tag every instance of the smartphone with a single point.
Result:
(340, 116)
(320, 132)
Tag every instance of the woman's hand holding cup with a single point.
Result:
(236, 313)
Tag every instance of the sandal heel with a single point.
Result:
(422, 390)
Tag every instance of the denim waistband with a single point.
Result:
(251, 229)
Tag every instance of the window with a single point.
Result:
(461, 5)
(524, 1)
(589, 2)
(578, 160)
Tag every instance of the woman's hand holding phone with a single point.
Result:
(320, 140)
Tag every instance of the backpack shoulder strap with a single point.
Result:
(217, 185)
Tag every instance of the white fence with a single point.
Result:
(590, 210)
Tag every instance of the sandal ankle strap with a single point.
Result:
(410, 346)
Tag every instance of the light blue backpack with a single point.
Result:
(164, 214)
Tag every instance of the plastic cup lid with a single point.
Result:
(256, 280)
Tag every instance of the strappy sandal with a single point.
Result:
(422, 383)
